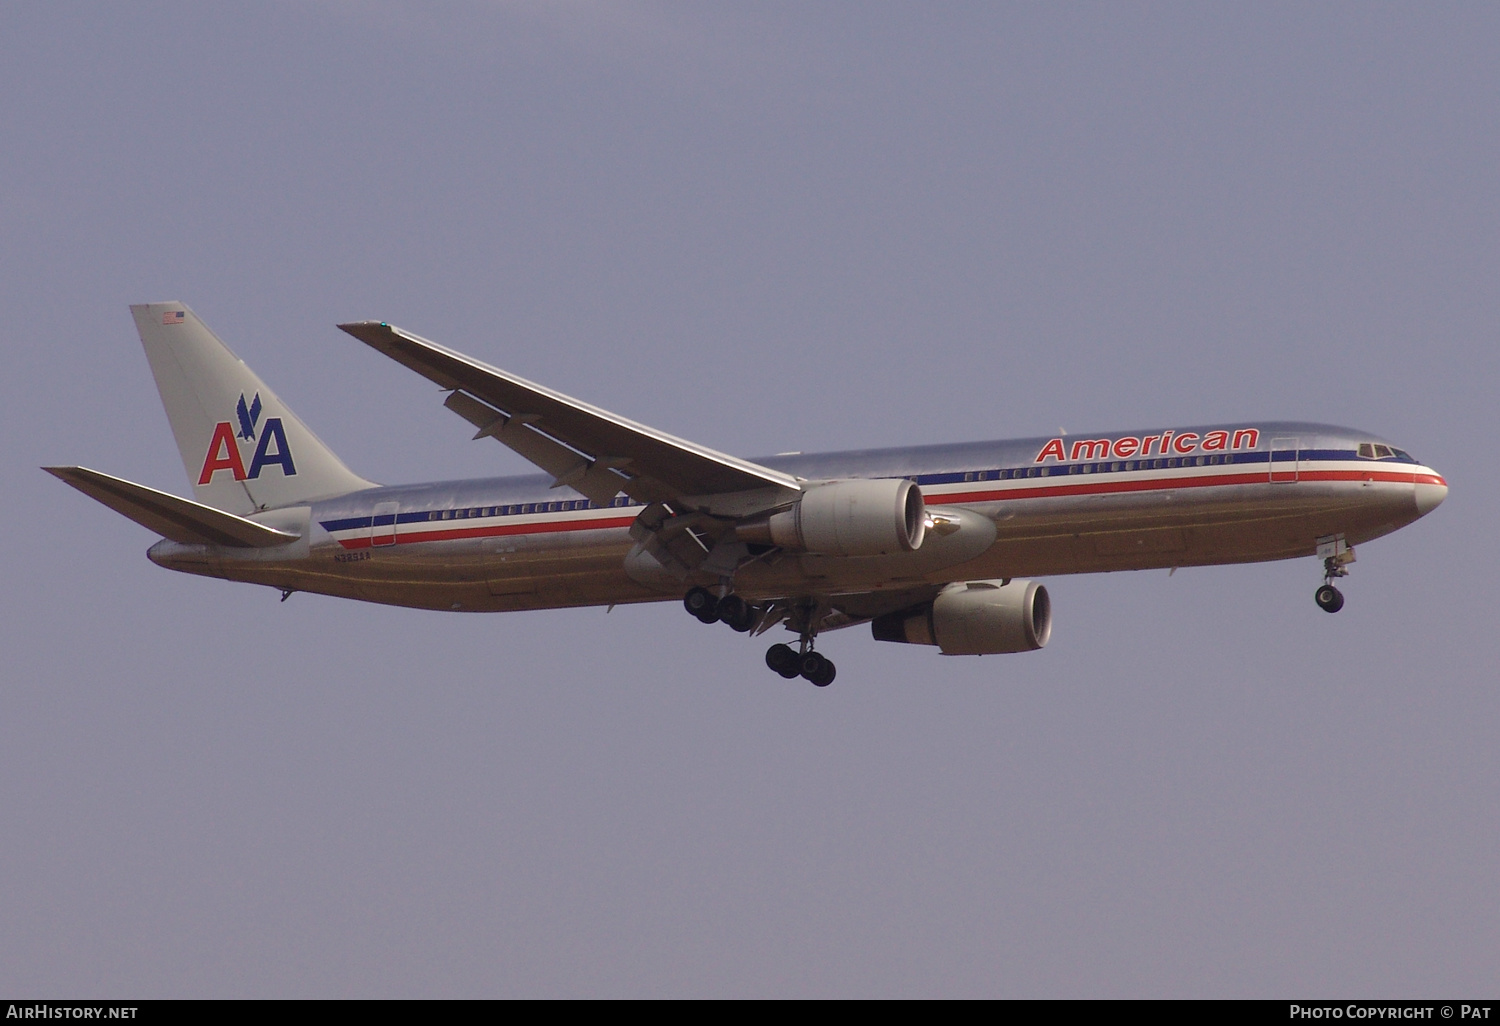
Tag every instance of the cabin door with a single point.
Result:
(1284, 460)
(383, 524)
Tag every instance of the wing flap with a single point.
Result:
(656, 466)
(594, 478)
(181, 520)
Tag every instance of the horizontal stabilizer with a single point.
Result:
(181, 520)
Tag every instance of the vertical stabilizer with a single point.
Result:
(243, 449)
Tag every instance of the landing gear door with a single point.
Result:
(1284, 460)
(383, 524)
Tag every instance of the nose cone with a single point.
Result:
(1431, 491)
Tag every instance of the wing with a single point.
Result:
(583, 447)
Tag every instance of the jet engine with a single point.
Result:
(975, 618)
(846, 518)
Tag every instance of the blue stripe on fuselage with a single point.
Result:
(1026, 472)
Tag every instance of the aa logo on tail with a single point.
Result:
(224, 450)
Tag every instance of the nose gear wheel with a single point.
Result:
(1329, 598)
(1335, 565)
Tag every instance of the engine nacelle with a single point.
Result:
(975, 618)
(847, 518)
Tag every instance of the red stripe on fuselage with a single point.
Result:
(1095, 487)
(1160, 484)
(493, 531)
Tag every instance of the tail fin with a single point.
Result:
(243, 449)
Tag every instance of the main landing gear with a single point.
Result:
(808, 665)
(741, 616)
(731, 609)
(1336, 559)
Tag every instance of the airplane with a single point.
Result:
(936, 545)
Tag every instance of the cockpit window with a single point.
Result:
(1376, 451)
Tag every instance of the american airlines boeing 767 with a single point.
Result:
(934, 545)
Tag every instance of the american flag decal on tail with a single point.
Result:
(173, 317)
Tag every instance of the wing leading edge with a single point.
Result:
(590, 450)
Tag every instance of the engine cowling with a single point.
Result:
(975, 618)
(847, 518)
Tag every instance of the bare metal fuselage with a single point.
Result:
(514, 543)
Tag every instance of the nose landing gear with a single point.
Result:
(1336, 557)
(1329, 598)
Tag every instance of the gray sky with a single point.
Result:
(763, 227)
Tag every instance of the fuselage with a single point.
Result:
(1032, 507)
